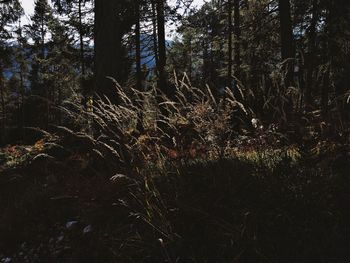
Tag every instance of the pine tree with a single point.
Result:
(21, 56)
(61, 74)
(10, 12)
(38, 31)
(79, 24)
(53, 74)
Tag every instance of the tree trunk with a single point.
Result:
(237, 44)
(44, 88)
(229, 70)
(81, 39)
(331, 34)
(287, 41)
(190, 58)
(108, 48)
(21, 72)
(154, 35)
(325, 93)
(3, 109)
(60, 99)
(139, 87)
(205, 68)
(162, 48)
(311, 54)
(21, 112)
(42, 38)
(138, 47)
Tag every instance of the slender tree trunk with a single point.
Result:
(211, 69)
(81, 38)
(162, 47)
(311, 54)
(60, 99)
(138, 61)
(138, 47)
(287, 41)
(154, 35)
(3, 108)
(21, 111)
(230, 29)
(21, 77)
(325, 92)
(190, 58)
(44, 88)
(301, 79)
(42, 38)
(205, 62)
(162, 82)
(331, 51)
(237, 44)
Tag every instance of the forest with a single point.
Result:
(175, 131)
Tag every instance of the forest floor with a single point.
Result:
(287, 204)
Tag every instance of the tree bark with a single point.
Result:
(311, 54)
(154, 35)
(3, 109)
(162, 48)
(205, 67)
(325, 93)
(44, 88)
(138, 47)
(190, 58)
(108, 47)
(139, 87)
(21, 110)
(237, 43)
(81, 38)
(229, 69)
(331, 34)
(287, 41)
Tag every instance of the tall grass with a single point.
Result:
(183, 179)
(148, 128)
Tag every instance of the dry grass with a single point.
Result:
(187, 179)
(147, 128)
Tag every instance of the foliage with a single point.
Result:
(134, 164)
(239, 209)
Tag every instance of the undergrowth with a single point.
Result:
(188, 179)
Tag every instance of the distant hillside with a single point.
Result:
(147, 55)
